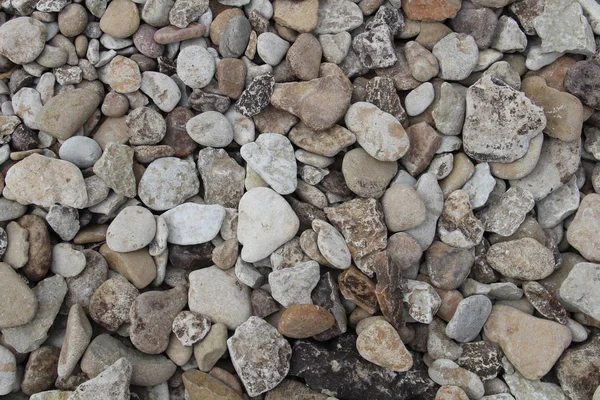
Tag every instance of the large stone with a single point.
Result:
(23, 39)
(505, 215)
(110, 303)
(115, 167)
(335, 16)
(260, 355)
(53, 119)
(133, 228)
(45, 181)
(191, 223)
(499, 122)
(584, 232)
(531, 344)
(580, 288)
(265, 222)
(18, 303)
(77, 337)
(222, 177)
(299, 16)
(577, 370)
(430, 10)
(112, 383)
(524, 259)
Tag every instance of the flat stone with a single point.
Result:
(235, 37)
(110, 303)
(419, 99)
(482, 358)
(457, 225)
(260, 355)
(448, 266)
(147, 370)
(265, 209)
(480, 185)
(137, 266)
(335, 47)
(77, 337)
(44, 181)
(506, 115)
(167, 182)
(54, 121)
(300, 321)
(421, 300)
(113, 382)
(115, 167)
(365, 175)
(200, 385)
(293, 285)
(248, 274)
(326, 295)
(218, 295)
(210, 349)
(335, 16)
(151, 315)
(545, 303)
(19, 303)
(523, 259)
(326, 143)
(578, 289)
(306, 100)
(506, 214)
(384, 141)
(161, 89)
(582, 232)
(190, 328)
(469, 318)
(191, 223)
(531, 344)
(29, 336)
(231, 74)
(558, 162)
(447, 372)
(17, 250)
(22, 39)
(67, 261)
(381, 345)
(358, 289)
(133, 228)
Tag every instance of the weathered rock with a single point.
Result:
(577, 369)
(22, 39)
(77, 337)
(109, 305)
(136, 266)
(167, 182)
(293, 285)
(421, 300)
(300, 321)
(506, 214)
(40, 371)
(53, 120)
(448, 266)
(256, 96)
(380, 344)
(359, 289)
(19, 303)
(191, 223)
(112, 383)
(457, 225)
(543, 301)
(583, 231)
(365, 175)
(525, 259)
(481, 358)
(200, 385)
(190, 327)
(335, 16)
(579, 288)
(133, 228)
(115, 167)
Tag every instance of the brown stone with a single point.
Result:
(110, 303)
(217, 27)
(172, 34)
(231, 74)
(326, 143)
(91, 234)
(137, 266)
(177, 136)
(424, 141)
(381, 92)
(304, 57)
(225, 254)
(431, 33)
(290, 389)
(227, 378)
(448, 266)
(359, 289)
(191, 257)
(554, 74)
(430, 10)
(202, 386)
(147, 154)
(461, 172)
(263, 304)
(451, 393)
(578, 370)
(301, 321)
(389, 290)
(380, 344)
(450, 300)
(121, 19)
(274, 120)
(300, 16)
(543, 301)
(41, 370)
(112, 130)
(40, 250)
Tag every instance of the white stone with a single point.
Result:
(191, 223)
(558, 205)
(332, 244)
(480, 185)
(66, 261)
(195, 66)
(271, 48)
(509, 37)
(581, 288)
(419, 99)
(335, 47)
(132, 229)
(8, 371)
(294, 285)
(457, 55)
(27, 104)
(161, 89)
(211, 129)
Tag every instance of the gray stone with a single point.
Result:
(132, 229)
(190, 327)
(375, 47)
(335, 47)
(248, 274)
(558, 205)
(211, 129)
(469, 317)
(115, 167)
(505, 215)
(22, 39)
(10, 209)
(53, 120)
(78, 335)
(457, 55)
(580, 288)
(234, 39)
(509, 37)
(67, 261)
(429, 190)
(112, 383)
(421, 300)
(8, 368)
(337, 16)
(447, 372)
(293, 285)
(524, 259)
(532, 389)
(332, 245)
(271, 48)
(480, 185)
(222, 177)
(64, 221)
(160, 88)
(110, 302)
(260, 355)
(81, 151)
(419, 99)
(195, 66)
(449, 111)
(146, 126)
(191, 223)
(185, 12)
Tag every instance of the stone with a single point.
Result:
(40, 371)
(8, 376)
(419, 99)
(580, 81)
(380, 344)
(133, 228)
(479, 23)
(304, 57)
(521, 387)
(44, 181)
(121, 19)
(469, 318)
(211, 293)
(289, 388)
(506, 214)
(82, 287)
(576, 370)
(185, 12)
(545, 303)
(335, 16)
(293, 285)
(359, 289)
(112, 383)
(428, 11)
(306, 99)
(280, 171)
(577, 290)
(582, 233)
(421, 300)
(558, 205)
(195, 66)
(110, 303)
(326, 295)
(564, 112)
(335, 47)
(381, 92)
(26, 104)
(365, 175)
(231, 74)
(54, 121)
(300, 321)
(235, 37)
(482, 358)
(531, 344)
(81, 151)
(326, 143)
(151, 315)
(524, 259)
(146, 126)
(200, 385)
(161, 89)
(403, 208)
(66, 261)
(263, 304)
(375, 48)
(210, 128)
(265, 222)
(29, 336)
(438, 344)
(448, 392)
(77, 337)
(384, 144)
(19, 303)
(431, 193)
(147, 370)
(222, 177)
(509, 112)
(189, 327)
(191, 223)
(457, 225)
(447, 372)
(210, 349)
(248, 274)
(448, 266)
(167, 182)
(339, 370)
(115, 167)
(423, 65)
(271, 48)
(22, 39)
(332, 245)
(260, 355)
(40, 251)
(256, 96)
(17, 250)
(457, 56)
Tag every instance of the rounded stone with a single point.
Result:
(146, 126)
(81, 151)
(72, 20)
(67, 261)
(301, 321)
(121, 19)
(210, 129)
(195, 66)
(124, 75)
(132, 229)
(22, 39)
(457, 55)
(19, 303)
(380, 344)
(403, 208)
(365, 175)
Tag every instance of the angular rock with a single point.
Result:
(506, 214)
(115, 167)
(558, 205)
(109, 305)
(19, 303)
(256, 96)
(335, 16)
(136, 266)
(579, 288)
(200, 385)
(421, 300)
(481, 358)
(546, 304)
(326, 295)
(77, 337)
(222, 177)
(524, 259)
(469, 318)
(359, 289)
(457, 225)
(375, 47)
(112, 383)
(293, 285)
(190, 327)
(577, 369)
(167, 182)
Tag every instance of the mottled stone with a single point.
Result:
(167, 182)
(577, 370)
(110, 303)
(380, 344)
(448, 266)
(506, 214)
(481, 358)
(543, 301)
(457, 225)
(256, 96)
(525, 259)
(200, 385)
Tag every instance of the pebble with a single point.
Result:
(147, 370)
(384, 141)
(53, 120)
(524, 259)
(64, 221)
(457, 56)
(260, 355)
(421, 300)
(337, 16)
(77, 337)
(137, 266)
(365, 175)
(20, 304)
(332, 245)
(115, 168)
(66, 261)
(17, 250)
(161, 89)
(185, 12)
(482, 358)
(191, 223)
(448, 266)
(199, 385)
(403, 208)
(189, 327)
(469, 318)
(574, 370)
(81, 151)
(506, 214)
(212, 289)
(271, 48)
(110, 303)
(301, 321)
(8, 376)
(558, 205)
(195, 66)
(577, 290)
(82, 287)
(210, 349)
(29, 33)
(419, 99)
(335, 47)
(40, 371)
(374, 47)
(151, 315)
(582, 233)
(521, 387)
(167, 182)
(264, 208)
(447, 372)
(114, 380)
(133, 228)
(457, 225)
(532, 345)
(546, 304)
(380, 344)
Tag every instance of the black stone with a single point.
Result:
(481, 270)
(203, 101)
(167, 66)
(191, 257)
(482, 359)
(387, 16)
(257, 96)
(23, 139)
(336, 368)
(18, 80)
(326, 295)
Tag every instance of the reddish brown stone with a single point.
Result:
(41, 370)
(301, 321)
(176, 136)
(231, 74)
(263, 304)
(40, 250)
(424, 141)
(430, 10)
(359, 289)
